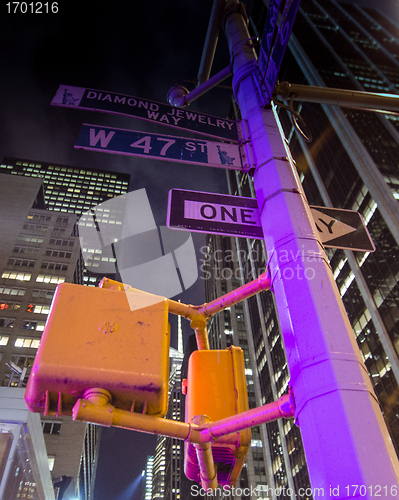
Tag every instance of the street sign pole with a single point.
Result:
(348, 449)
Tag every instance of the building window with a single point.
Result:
(39, 218)
(59, 241)
(21, 262)
(63, 221)
(21, 249)
(13, 275)
(20, 365)
(54, 265)
(32, 325)
(27, 342)
(7, 322)
(38, 308)
(35, 227)
(30, 238)
(43, 278)
(9, 306)
(58, 253)
(4, 340)
(22, 361)
(42, 293)
(51, 427)
(51, 460)
(59, 230)
(12, 290)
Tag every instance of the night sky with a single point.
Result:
(138, 48)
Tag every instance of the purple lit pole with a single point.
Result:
(348, 449)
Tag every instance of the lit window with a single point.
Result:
(12, 275)
(27, 342)
(38, 308)
(9, 306)
(33, 325)
(43, 278)
(51, 460)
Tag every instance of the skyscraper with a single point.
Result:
(351, 163)
(168, 457)
(73, 190)
(39, 249)
(69, 189)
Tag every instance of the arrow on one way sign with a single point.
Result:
(339, 228)
(330, 227)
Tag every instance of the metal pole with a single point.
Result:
(211, 40)
(346, 441)
(339, 97)
(180, 96)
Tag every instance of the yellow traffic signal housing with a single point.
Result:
(102, 338)
(216, 387)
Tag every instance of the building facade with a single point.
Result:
(40, 248)
(351, 163)
(148, 475)
(174, 448)
(168, 458)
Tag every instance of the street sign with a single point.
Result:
(339, 228)
(160, 147)
(238, 216)
(213, 213)
(268, 35)
(283, 35)
(95, 100)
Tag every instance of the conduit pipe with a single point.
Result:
(205, 458)
(243, 292)
(96, 408)
(283, 407)
(199, 315)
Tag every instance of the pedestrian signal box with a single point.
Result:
(102, 338)
(216, 387)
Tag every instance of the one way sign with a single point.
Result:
(238, 216)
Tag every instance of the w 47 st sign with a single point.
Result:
(159, 147)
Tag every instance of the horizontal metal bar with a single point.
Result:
(338, 97)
